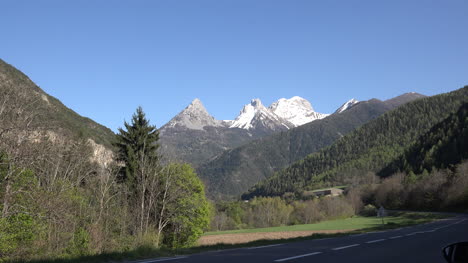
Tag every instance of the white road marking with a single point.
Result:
(275, 245)
(162, 259)
(411, 234)
(458, 222)
(299, 256)
(375, 241)
(339, 248)
(395, 237)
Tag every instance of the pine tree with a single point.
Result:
(137, 144)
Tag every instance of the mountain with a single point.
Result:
(347, 105)
(27, 108)
(369, 148)
(259, 119)
(281, 115)
(234, 171)
(295, 110)
(194, 117)
(195, 136)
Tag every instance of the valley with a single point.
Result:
(259, 171)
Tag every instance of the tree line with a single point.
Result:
(278, 211)
(438, 190)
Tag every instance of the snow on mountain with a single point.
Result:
(255, 114)
(296, 110)
(281, 115)
(194, 117)
(245, 117)
(346, 105)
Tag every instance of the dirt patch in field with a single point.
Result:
(249, 237)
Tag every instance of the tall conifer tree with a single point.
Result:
(138, 140)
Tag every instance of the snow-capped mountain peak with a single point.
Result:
(296, 110)
(281, 115)
(347, 105)
(247, 114)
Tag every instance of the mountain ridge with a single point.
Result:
(231, 172)
(283, 113)
(195, 136)
(347, 105)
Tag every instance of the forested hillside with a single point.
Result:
(443, 146)
(431, 174)
(234, 171)
(369, 148)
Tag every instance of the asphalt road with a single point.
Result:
(421, 243)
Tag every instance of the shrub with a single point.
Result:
(16, 233)
(369, 210)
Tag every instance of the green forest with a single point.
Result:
(368, 149)
(443, 146)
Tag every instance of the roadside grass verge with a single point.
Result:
(356, 222)
(363, 224)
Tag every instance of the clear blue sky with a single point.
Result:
(104, 58)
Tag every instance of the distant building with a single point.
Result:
(328, 192)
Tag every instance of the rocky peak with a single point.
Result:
(194, 116)
(247, 114)
(196, 106)
(282, 114)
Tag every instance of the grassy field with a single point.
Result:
(356, 222)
